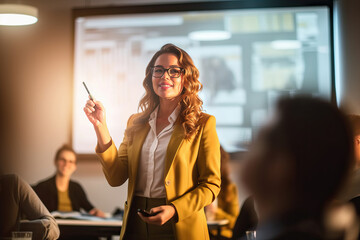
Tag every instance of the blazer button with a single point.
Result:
(167, 182)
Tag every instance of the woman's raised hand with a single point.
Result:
(95, 112)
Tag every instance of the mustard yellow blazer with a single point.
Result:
(192, 173)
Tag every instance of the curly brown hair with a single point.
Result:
(191, 104)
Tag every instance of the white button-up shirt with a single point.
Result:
(150, 176)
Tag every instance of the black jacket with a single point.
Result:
(47, 192)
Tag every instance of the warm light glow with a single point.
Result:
(209, 35)
(17, 14)
(16, 19)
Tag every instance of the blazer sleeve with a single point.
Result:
(208, 167)
(115, 162)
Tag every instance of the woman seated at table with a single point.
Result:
(59, 193)
(227, 204)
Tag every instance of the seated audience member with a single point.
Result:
(59, 193)
(352, 192)
(353, 188)
(227, 204)
(296, 166)
(17, 200)
(246, 221)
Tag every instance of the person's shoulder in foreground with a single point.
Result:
(18, 199)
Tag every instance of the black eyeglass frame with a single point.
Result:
(182, 70)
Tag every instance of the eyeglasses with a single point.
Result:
(174, 72)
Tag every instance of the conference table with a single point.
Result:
(85, 229)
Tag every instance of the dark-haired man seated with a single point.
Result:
(296, 166)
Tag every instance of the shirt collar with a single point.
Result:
(172, 118)
(174, 115)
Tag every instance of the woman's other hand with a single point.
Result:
(164, 214)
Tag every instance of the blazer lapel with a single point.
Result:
(136, 147)
(175, 142)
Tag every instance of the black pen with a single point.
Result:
(91, 97)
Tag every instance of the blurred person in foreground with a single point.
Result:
(19, 201)
(59, 193)
(296, 166)
(227, 204)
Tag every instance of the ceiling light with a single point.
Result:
(209, 35)
(17, 14)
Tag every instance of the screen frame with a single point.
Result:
(204, 6)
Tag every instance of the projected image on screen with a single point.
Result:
(246, 58)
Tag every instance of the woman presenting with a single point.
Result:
(170, 153)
